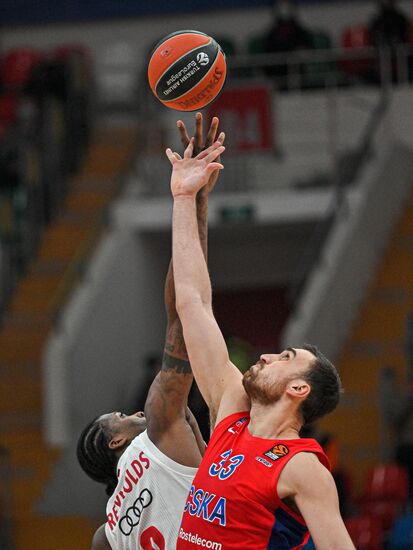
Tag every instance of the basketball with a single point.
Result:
(187, 70)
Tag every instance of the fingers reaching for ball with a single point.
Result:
(199, 143)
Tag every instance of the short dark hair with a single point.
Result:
(325, 384)
(95, 457)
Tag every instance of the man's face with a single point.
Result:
(120, 424)
(267, 380)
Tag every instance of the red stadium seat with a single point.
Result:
(387, 482)
(365, 532)
(17, 67)
(354, 38)
(8, 109)
(384, 511)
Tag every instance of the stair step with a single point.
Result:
(24, 320)
(82, 184)
(88, 201)
(26, 492)
(11, 370)
(35, 455)
(405, 225)
(40, 284)
(380, 322)
(396, 269)
(34, 298)
(32, 304)
(53, 533)
(116, 135)
(20, 421)
(64, 242)
(21, 345)
(47, 267)
(21, 438)
(21, 396)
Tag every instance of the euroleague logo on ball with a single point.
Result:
(202, 58)
(187, 70)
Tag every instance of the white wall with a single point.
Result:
(93, 361)
(334, 289)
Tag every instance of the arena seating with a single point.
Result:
(366, 532)
(385, 493)
(387, 482)
(17, 66)
(353, 38)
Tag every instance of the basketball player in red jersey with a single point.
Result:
(155, 453)
(259, 485)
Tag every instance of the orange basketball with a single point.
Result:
(187, 70)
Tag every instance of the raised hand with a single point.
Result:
(190, 174)
(200, 145)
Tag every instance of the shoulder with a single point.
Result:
(100, 542)
(234, 401)
(305, 473)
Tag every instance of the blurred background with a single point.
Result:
(311, 235)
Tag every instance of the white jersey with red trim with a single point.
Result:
(144, 512)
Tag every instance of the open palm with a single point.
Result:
(189, 174)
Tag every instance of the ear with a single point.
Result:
(298, 388)
(118, 442)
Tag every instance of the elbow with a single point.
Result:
(187, 300)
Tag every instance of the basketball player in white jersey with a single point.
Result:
(148, 460)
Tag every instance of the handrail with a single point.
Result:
(332, 58)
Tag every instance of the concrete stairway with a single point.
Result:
(376, 340)
(65, 247)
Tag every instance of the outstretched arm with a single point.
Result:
(170, 424)
(218, 379)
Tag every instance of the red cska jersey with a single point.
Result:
(233, 502)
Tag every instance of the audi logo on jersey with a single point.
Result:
(133, 514)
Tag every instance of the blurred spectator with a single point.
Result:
(390, 26)
(286, 34)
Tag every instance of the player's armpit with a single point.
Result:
(312, 487)
(166, 413)
(100, 542)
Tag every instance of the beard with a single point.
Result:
(258, 389)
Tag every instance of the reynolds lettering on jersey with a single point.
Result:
(278, 451)
(207, 506)
(134, 473)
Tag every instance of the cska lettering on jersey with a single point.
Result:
(206, 506)
(134, 472)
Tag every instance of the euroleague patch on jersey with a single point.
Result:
(278, 451)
